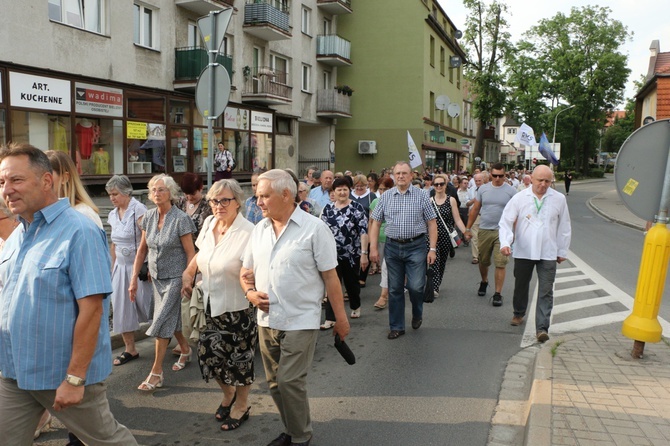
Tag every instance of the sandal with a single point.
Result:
(125, 357)
(230, 424)
(179, 365)
(355, 314)
(223, 412)
(327, 325)
(148, 387)
(45, 424)
(381, 303)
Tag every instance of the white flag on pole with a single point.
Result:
(525, 136)
(414, 155)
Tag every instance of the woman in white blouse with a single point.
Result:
(226, 347)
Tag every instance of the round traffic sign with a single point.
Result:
(220, 94)
(639, 171)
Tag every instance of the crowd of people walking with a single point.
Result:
(227, 276)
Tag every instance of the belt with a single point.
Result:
(403, 241)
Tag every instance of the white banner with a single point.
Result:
(44, 93)
(261, 122)
(414, 155)
(525, 136)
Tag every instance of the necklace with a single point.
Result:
(191, 206)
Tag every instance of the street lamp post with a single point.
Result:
(553, 139)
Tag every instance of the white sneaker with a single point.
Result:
(327, 325)
(355, 314)
(436, 294)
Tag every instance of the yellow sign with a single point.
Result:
(630, 187)
(136, 130)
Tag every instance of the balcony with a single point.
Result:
(332, 104)
(267, 19)
(263, 85)
(335, 6)
(189, 63)
(333, 50)
(203, 7)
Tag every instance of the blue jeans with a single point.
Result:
(546, 274)
(405, 260)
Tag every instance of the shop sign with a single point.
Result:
(236, 119)
(44, 93)
(261, 122)
(97, 100)
(136, 130)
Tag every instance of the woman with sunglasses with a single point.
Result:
(447, 217)
(226, 347)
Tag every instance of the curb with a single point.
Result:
(603, 214)
(538, 426)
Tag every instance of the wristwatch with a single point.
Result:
(74, 380)
(247, 291)
(433, 249)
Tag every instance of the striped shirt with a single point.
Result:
(46, 266)
(406, 214)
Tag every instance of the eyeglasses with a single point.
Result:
(498, 175)
(439, 184)
(160, 190)
(224, 202)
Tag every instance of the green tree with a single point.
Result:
(620, 130)
(572, 59)
(486, 42)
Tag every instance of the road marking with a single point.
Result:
(578, 272)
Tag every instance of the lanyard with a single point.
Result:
(539, 205)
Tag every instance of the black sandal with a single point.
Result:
(124, 358)
(223, 412)
(230, 424)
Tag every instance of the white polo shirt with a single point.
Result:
(288, 268)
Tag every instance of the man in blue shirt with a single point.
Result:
(253, 213)
(55, 348)
(321, 194)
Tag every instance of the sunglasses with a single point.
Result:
(495, 175)
(225, 202)
(439, 184)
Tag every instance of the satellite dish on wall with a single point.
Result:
(442, 102)
(454, 110)
(455, 61)
(458, 34)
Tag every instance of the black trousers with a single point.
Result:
(349, 275)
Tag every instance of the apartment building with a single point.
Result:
(113, 82)
(407, 76)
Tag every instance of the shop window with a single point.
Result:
(179, 145)
(201, 147)
(261, 151)
(238, 144)
(146, 107)
(145, 26)
(98, 146)
(85, 14)
(42, 130)
(146, 148)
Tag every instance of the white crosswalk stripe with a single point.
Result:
(567, 300)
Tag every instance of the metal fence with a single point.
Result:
(304, 163)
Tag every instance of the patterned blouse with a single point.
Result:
(347, 225)
(203, 211)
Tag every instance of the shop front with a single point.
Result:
(110, 128)
(446, 159)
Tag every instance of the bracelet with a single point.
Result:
(467, 230)
(247, 291)
(433, 249)
(364, 252)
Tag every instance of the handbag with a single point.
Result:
(144, 271)
(429, 289)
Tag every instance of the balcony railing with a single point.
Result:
(333, 104)
(190, 61)
(263, 84)
(333, 49)
(267, 19)
(335, 6)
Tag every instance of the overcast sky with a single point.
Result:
(646, 19)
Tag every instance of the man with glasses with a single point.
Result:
(489, 204)
(537, 223)
(409, 217)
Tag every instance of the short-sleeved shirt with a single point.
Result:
(382, 228)
(46, 266)
(288, 268)
(406, 214)
(253, 213)
(320, 196)
(167, 258)
(493, 200)
(347, 224)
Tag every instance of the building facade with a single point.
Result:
(407, 76)
(113, 83)
(653, 100)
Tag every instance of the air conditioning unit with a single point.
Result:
(367, 147)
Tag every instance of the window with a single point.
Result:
(458, 78)
(511, 131)
(280, 67)
(305, 20)
(451, 74)
(442, 60)
(326, 80)
(431, 106)
(283, 125)
(146, 26)
(326, 27)
(85, 14)
(432, 51)
(306, 74)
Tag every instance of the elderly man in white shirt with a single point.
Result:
(536, 222)
(293, 257)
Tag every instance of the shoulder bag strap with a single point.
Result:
(440, 215)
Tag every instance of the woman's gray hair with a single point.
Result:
(231, 185)
(121, 184)
(280, 180)
(169, 183)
